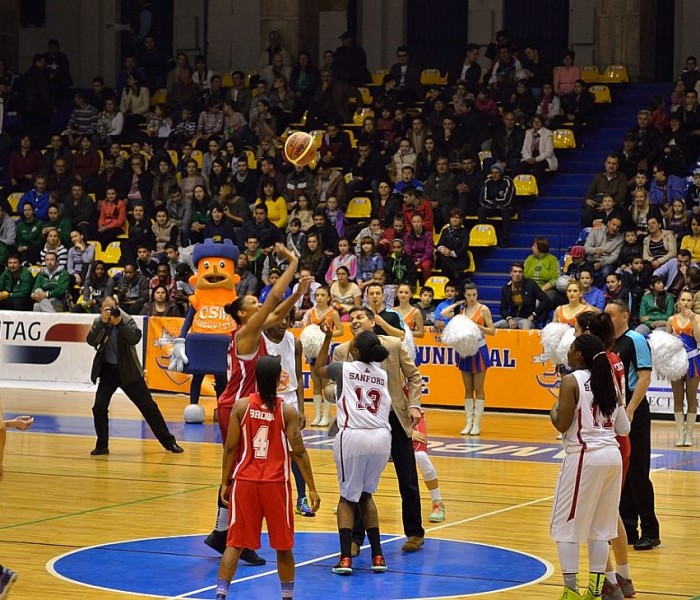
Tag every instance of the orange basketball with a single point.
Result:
(300, 148)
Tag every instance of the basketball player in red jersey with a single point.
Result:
(247, 346)
(255, 476)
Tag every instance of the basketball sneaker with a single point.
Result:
(7, 580)
(378, 564)
(626, 586)
(569, 594)
(588, 595)
(611, 591)
(344, 567)
(438, 514)
(303, 508)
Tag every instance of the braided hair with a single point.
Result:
(602, 383)
(267, 376)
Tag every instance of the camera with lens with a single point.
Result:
(114, 311)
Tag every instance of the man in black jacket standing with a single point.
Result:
(114, 335)
(523, 303)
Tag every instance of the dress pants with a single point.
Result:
(637, 500)
(139, 394)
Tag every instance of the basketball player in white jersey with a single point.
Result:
(589, 412)
(362, 446)
(281, 342)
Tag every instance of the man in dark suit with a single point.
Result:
(468, 71)
(404, 414)
(407, 75)
(114, 335)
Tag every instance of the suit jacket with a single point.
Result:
(398, 366)
(412, 78)
(128, 366)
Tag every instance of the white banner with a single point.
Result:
(48, 347)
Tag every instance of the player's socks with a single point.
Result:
(345, 535)
(287, 590)
(222, 586)
(595, 583)
(299, 480)
(435, 494)
(610, 576)
(624, 571)
(221, 514)
(374, 541)
(571, 581)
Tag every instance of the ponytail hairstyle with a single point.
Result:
(599, 325)
(602, 383)
(233, 307)
(370, 348)
(267, 376)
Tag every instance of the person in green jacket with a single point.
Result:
(51, 286)
(656, 308)
(543, 268)
(29, 237)
(81, 211)
(16, 284)
(62, 225)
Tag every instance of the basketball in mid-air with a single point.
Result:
(300, 148)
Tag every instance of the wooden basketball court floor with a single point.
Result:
(56, 498)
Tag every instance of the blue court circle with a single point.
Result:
(184, 567)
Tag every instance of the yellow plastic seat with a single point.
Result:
(432, 77)
(615, 74)
(366, 96)
(35, 269)
(199, 157)
(483, 155)
(378, 76)
(124, 235)
(317, 134)
(351, 135)
(590, 74)
(159, 96)
(362, 114)
(347, 177)
(601, 93)
(472, 263)
(252, 161)
(112, 254)
(563, 139)
(174, 157)
(248, 76)
(483, 235)
(115, 271)
(13, 200)
(438, 283)
(525, 185)
(227, 80)
(98, 248)
(359, 208)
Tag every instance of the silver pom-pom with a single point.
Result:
(409, 344)
(462, 334)
(551, 336)
(562, 351)
(668, 355)
(311, 339)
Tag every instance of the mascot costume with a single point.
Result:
(202, 347)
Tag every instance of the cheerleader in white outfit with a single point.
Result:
(589, 412)
(473, 368)
(686, 325)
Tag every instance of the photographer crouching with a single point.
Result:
(114, 335)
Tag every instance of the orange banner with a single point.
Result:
(520, 378)
(159, 346)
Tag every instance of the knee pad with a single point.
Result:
(426, 466)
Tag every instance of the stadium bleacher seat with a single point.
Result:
(483, 235)
(438, 283)
(174, 157)
(432, 77)
(227, 80)
(199, 157)
(366, 96)
(353, 140)
(13, 200)
(362, 114)
(359, 208)
(563, 139)
(525, 185)
(378, 76)
(250, 157)
(115, 271)
(483, 155)
(601, 93)
(159, 96)
(590, 74)
(615, 74)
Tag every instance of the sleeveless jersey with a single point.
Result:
(589, 429)
(365, 401)
(241, 372)
(263, 456)
(286, 351)
(410, 319)
(327, 318)
(559, 316)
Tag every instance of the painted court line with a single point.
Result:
(387, 541)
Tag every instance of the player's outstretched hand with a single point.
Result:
(22, 422)
(315, 500)
(280, 248)
(327, 329)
